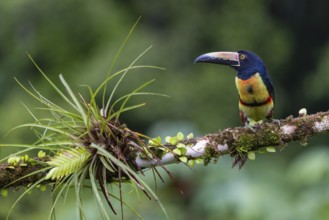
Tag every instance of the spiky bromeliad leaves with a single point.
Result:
(88, 146)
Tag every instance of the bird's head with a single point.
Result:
(245, 62)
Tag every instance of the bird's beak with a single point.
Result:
(225, 58)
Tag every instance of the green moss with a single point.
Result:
(211, 155)
(157, 152)
(270, 139)
(252, 141)
(245, 142)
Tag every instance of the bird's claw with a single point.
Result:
(252, 125)
(276, 121)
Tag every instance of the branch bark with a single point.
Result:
(231, 141)
(17, 176)
(246, 139)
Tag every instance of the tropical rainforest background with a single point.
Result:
(81, 38)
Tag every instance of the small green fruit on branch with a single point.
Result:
(245, 140)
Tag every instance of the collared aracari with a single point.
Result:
(254, 85)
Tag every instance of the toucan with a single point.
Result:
(255, 88)
(256, 92)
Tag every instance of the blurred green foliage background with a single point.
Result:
(80, 39)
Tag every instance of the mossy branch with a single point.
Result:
(233, 141)
(14, 176)
(242, 140)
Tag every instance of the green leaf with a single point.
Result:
(173, 141)
(271, 149)
(251, 155)
(52, 84)
(67, 162)
(183, 150)
(43, 188)
(189, 136)
(41, 154)
(77, 106)
(25, 158)
(155, 141)
(180, 136)
(167, 139)
(115, 59)
(177, 151)
(130, 172)
(14, 160)
(262, 151)
(4, 192)
(121, 78)
(183, 159)
(190, 163)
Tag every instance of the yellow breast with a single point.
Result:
(252, 90)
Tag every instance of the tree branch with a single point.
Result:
(16, 176)
(233, 141)
(246, 139)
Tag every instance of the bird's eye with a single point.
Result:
(242, 57)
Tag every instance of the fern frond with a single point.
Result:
(67, 162)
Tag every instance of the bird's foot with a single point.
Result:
(253, 125)
(252, 128)
(276, 121)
